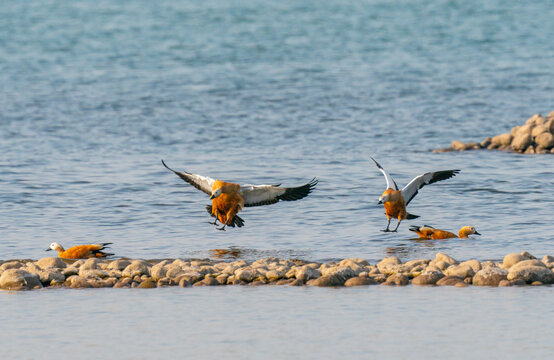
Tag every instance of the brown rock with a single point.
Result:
(184, 283)
(51, 262)
(297, 282)
(534, 120)
(428, 278)
(485, 143)
(521, 142)
(530, 271)
(147, 284)
(504, 283)
(78, 282)
(360, 281)
(502, 139)
(327, 280)
(119, 264)
(387, 264)
(530, 150)
(450, 281)
(518, 282)
(545, 140)
(284, 281)
(123, 282)
(490, 276)
(537, 283)
(17, 279)
(137, 267)
(397, 279)
(458, 145)
(10, 265)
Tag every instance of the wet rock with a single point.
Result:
(343, 273)
(119, 264)
(51, 262)
(222, 279)
(504, 283)
(397, 279)
(17, 279)
(297, 282)
(485, 143)
(69, 271)
(439, 264)
(462, 271)
(537, 283)
(530, 271)
(274, 275)
(91, 264)
(490, 276)
(246, 274)
(450, 281)
(137, 267)
(284, 281)
(461, 284)
(360, 281)
(474, 264)
(545, 140)
(534, 120)
(158, 271)
(50, 275)
(512, 259)
(447, 259)
(173, 271)
(92, 274)
(123, 282)
(428, 278)
(458, 145)
(147, 284)
(518, 282)
(388, 264)
(184, 283)
(306, 273)
(327, 280)
(10, 265)
(78, 282)
(502, 139)
(521, 142)
(548, 261)
(190, 277)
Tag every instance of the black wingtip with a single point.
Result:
(105, 244)
(376, 163)
(412, 216)
(414, 228)
(167, 167)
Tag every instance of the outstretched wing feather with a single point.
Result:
(390, 182)
(411, 190)
(202, 183)
(271, 194)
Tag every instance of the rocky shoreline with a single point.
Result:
(515, 269)
(536, 136)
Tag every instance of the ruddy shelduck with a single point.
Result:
(80, 251)
(229, 198)
(395, 201)
(429, 232)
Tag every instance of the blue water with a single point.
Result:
(94, 93)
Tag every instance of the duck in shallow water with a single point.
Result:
(429, 232)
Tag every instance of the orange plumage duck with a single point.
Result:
(429, 232)
(80, 251)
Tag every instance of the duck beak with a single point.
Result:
(212, 197)
(379, 201)
(476, 233)
(48, 249)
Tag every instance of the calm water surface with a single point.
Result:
(94, 93)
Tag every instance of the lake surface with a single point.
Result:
(94, 93)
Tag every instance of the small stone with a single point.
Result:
(545, 140)
(184, 283)
(485, 143)
(388, 263)
(502, 139)
(530, 150)
(521, 142)
(462, 271)
(537, 283)
(147, 284)
(447, 259)
(306, 273)
(504, 283)
(10, 265)
(158, 270)
(512, 259)
(536, 119)
(360, 281)
(274, 275)
(490, 276)
(245, 274)
(17, 279)
(137, 267)
(450, 281)
(428, 278)
(78, 282)
(548, 261)
(518, 282)
(50, 275)
(474, 264)
(51, 262)
(91, 264)
(397, 279)
(284, 281)
(461, 284)
(297, 282)
(119, 264)
(123, 282)
(530, 271)
(458, 145)
(327, 280)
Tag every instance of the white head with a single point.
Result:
(55, 246)
(383, 199)
(215, 193)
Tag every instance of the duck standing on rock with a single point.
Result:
(395, 201)
(80, 251)
(229, 198)
(429, 232)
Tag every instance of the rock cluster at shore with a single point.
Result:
(536, 136)
(515, 269)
